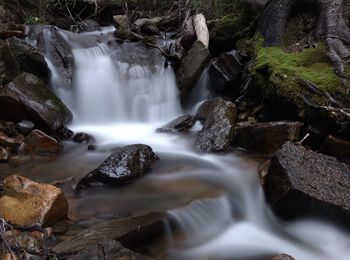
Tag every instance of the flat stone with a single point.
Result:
(266, 137)
(34, 202)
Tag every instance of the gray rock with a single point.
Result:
(180, 124)
(266, 137)
(191, 67)
(218, 129)
(24, 127)
(303, 183)
(28, 98)
(125, 163)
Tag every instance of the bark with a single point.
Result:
(331, 26)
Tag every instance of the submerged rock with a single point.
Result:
(218, 129)
(82, 138)
(226, 73)
(28, 98)
(180, 124)
(107, 250)
(303, 183)
(191, 67)
(266, 137)
(34, 202)
(125, 163)
(39, 143)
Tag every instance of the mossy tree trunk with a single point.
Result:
(331, 26)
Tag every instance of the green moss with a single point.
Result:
(35, 20)
(277, 72)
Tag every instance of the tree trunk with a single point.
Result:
(331, 26)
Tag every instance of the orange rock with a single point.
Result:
(26, 202)
(39, 143)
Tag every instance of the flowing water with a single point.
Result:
(120, 94)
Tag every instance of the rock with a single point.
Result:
(60, 55)
(18, 56)
(303, 183)
(82, 138)
(24, 127)
(226, 73)
(121, 21)
(218, 129)
(180, 124)
(39, 143)
(87, 26)
(266, 137)
(106, 250)
(4, 154)
(12, 142)
(125, 163)
(34, 202)
(336, 147)
(28, 98)
(191, 67)
(150, 29)
(64, 133)
(282, 257)
(12, 30)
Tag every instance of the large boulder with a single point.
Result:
(219, 125)
(226, 73)
(25, 202)
(266, 137)
(125, 163)
(18, 56)
(39, 143)
(28, 98)
(191, 67)
(105, 250)
(303, 183)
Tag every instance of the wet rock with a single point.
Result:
(218, 130)
(39, 143)
(18, 56)
(64, 133)
(107, 250)
(282, 257)
(12, 141)
(121, 21)
(226, 73)
(266, 137)
(180, 124)
(24, 127)
(125, 163)
(34, 202)
(336, 147)
(28, 98)
(4, 154)
(303, 183)
(191, 67)
(60, 55)
(89, 25)
(92, 147)
(83, 138)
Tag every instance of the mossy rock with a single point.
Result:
(28, 98)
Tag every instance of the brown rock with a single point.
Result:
(121, 21)
(34, 202)
(13, 142)
(266, 137)
(39, 143)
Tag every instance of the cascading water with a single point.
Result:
(121, 93)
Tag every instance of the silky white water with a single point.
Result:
(120, 94)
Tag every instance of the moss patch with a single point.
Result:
(277, 73)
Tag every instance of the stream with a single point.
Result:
(120, 94)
